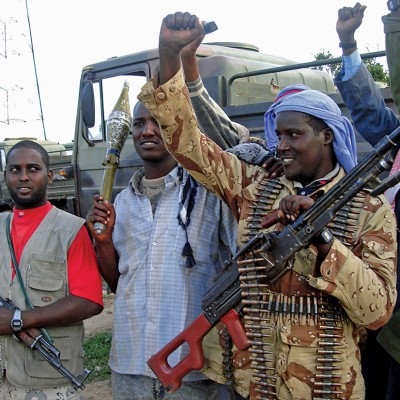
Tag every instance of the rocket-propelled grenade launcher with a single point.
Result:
(118, 127)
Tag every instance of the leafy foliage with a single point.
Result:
(374, 67)
(332, 69)
(97, 349)
(377, 71)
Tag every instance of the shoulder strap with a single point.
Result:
(18, 273)
(14, 260)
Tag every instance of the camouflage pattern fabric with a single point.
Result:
(356, 280)
(10, 392)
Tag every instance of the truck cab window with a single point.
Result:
(2, 160)
(106, 98)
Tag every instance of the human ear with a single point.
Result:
(50, 176)
(328, 135)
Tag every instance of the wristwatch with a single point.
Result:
(393, 4)
(16, 322)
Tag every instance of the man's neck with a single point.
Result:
(158, 169)
(21, 208)
(329, 176)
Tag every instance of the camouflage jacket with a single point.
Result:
(300, 354)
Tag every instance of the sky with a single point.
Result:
(67, 35)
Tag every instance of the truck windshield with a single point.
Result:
(106, 92)
(2, 160)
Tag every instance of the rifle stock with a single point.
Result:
(171, 377)
(220, 303)
(223, 301)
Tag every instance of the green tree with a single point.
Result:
(377, 71)
(374, 67)
(332, 69)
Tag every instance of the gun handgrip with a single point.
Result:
(171, 377)
(236, 329)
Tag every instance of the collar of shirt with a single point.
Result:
(24, 224)
(310, 188)
(36, 213)
(173, 176)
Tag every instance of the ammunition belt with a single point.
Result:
(268, 191)
(343, 226)
(227, 363)
(264, 309)
(262, 314)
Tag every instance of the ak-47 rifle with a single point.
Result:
(223, 301)
(33, 338)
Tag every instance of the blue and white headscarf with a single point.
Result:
(320, 105)
(269, 116)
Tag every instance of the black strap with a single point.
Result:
(19, 277)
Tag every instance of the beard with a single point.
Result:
(37, 198)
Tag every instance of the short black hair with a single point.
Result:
(317, 124)
(29, 144)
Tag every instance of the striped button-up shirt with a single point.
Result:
(157, 295)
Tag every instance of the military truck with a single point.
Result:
(240, 79)
(62, 191)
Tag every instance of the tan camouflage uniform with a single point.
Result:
(11, 392)
(355, 283)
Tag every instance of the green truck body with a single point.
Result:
(62, 191)
(240, 79)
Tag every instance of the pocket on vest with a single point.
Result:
(71, 357)
(44, 290)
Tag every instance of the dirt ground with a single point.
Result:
(100, 323)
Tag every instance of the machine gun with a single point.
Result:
(36, 342)
(223, 301)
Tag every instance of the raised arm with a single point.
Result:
(212, 120)
(220, 172)
(360, 93)
(177, 31)
(182, 33)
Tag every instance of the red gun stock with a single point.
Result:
(220, 303)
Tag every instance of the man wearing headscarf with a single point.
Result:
(344, 143)
(269, 116)
(317, 104)
(303, 327)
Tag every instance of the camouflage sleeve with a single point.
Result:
(212, 119)
(364, 279)
(220, 172)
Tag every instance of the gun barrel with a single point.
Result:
(52, 355)
(56, 363)
(386, 184)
